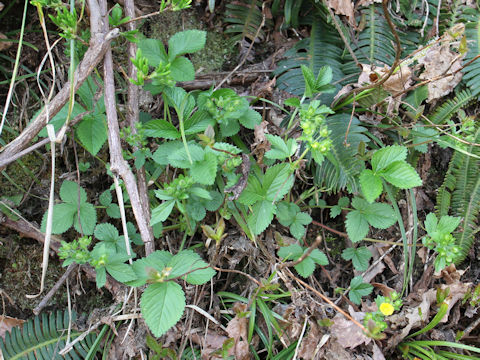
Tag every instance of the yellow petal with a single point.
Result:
(386, 309)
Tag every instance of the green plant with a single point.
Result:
(375, 321)
(163, 301)
(44, 336)
(459, 194)
(441, 240)
(388, 164)
(358, 289)
(73, 210)
(360, 257)
(307, 266)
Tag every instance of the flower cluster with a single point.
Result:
(445, 247)
(177, 189)
(375, 322)
(315, 131)
(75, 251)
(221, 108)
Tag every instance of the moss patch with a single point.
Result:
(218, 50)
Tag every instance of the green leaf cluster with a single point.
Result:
(378, 215)
(358, 289)
(289, 214)
(263, 192)
(388, 164)
(73, 210)
(307, 266)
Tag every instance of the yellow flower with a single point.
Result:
(386, 309)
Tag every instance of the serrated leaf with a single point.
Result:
(371, 185)
(309, 79)
(214, 203)
(286, 212)
(358, 289)
(179, 158)
(196, 210)
(105, 198)
(161, 128)
(198, 122)
(291, 252)
(205, 171)
(401, 175)
(62, 218)
(92, 132)
(387, 155)
(161, 212)
(106, 232)
(182, 69)
(185, 262)
(162, 305)
(101, 277)
(253, 192)
(356, 225)
(229, 127)
(88, 219)
(297, 228)
(160, 156)
(121, 272)
(261, 216)
(380, 215)
(277, 181)
(153, 50)
(306, 267)
(186, 42)
(318, 257)
(69, 192)
(360, 257)
(250, 118)
(448, 224)
(431, 223)
(113, 210)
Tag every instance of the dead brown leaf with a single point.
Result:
(237, 329)
(343, 7)
(308, 348)
(438, 61)
(347, 333)
(4, 44)
(7, 323)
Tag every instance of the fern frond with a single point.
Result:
(471, 72)
(340, 171)
(323, 48)
(43, 337)
(450, 107)
(374, 44)
(244, 19)
(459, 195)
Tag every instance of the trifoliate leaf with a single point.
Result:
(379, 215)
(261, 216)
(387, 155)
(360, 257)
(162, 305)
(371, 185)
(401, 175)
(358, 289)
(297, 228)
(161, 212)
